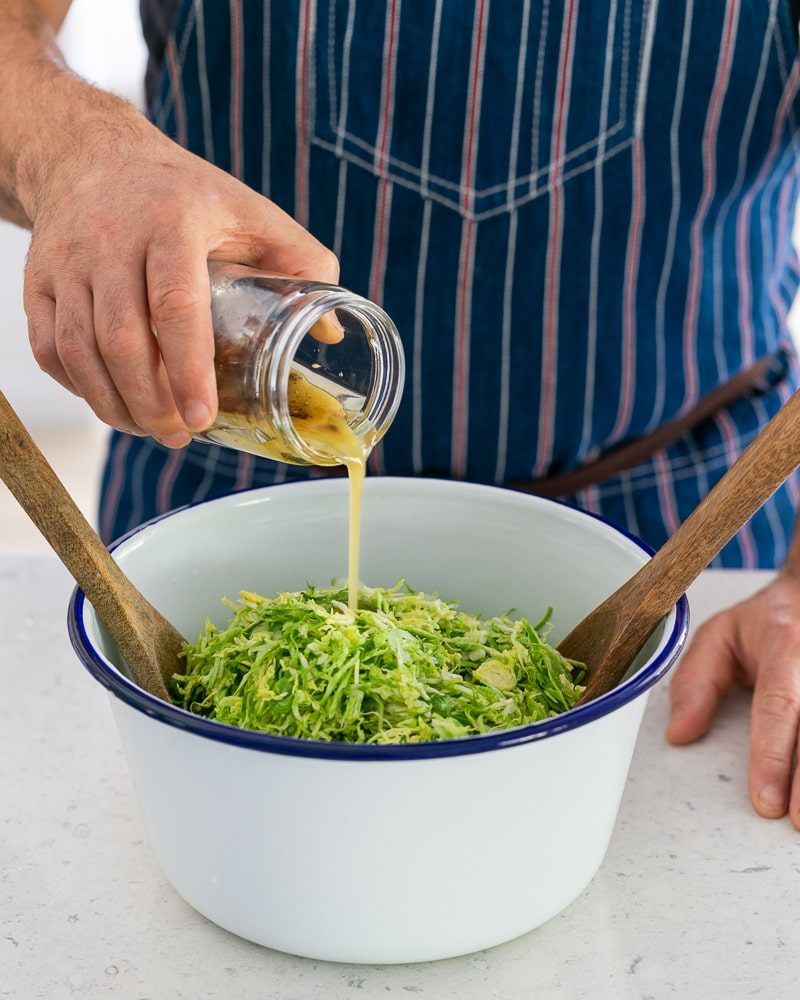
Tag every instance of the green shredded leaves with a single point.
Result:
(404, 668)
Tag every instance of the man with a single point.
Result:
(578, 215)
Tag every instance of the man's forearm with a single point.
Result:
(43, 106)
(54, 11)
(29, 59)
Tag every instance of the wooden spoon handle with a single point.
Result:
(42, 495)
(609, 638)
(744, 488)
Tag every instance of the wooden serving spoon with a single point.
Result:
(609, 638)
(147, 641)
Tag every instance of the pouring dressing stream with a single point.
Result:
(290, 391)
(322, 422)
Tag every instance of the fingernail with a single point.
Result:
(197, 415)
(328, 328)
(177, 440)
(771, 798)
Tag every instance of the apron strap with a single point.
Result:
(629, 454)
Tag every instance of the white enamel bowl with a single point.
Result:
(379, 854)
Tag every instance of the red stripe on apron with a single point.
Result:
(302, 114)
(114, 491)
(743, 220)
(166, 480)
(632, 256)
(710, 135)
(237, 72)
(544, 446)
(466, 265)
(173, 67)
(384, 197)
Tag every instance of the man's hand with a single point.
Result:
(756, 643)
(124, 222)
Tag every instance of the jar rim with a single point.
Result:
(306, 307)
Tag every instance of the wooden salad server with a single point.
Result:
(147, 641)
(609, 638)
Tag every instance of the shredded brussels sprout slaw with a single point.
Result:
(405, 668)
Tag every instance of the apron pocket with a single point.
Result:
(480, 107)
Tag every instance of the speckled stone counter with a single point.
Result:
(697, 897)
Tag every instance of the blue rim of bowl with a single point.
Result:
(108, 675)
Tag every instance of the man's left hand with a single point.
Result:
(755, 643)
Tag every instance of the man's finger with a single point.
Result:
(131, 354)
(179, 298)
(703, 676)
(277, 243)
(794, 799)
(773, 732)
(328, 329)
(80, 358)
(41, 313)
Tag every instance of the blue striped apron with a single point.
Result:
(578, 214)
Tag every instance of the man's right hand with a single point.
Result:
(124, 222)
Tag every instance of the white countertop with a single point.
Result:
(697, 897)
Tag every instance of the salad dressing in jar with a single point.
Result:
(287, 392)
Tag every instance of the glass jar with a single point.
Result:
(271, 368)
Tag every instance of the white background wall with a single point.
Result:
(102, 41)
